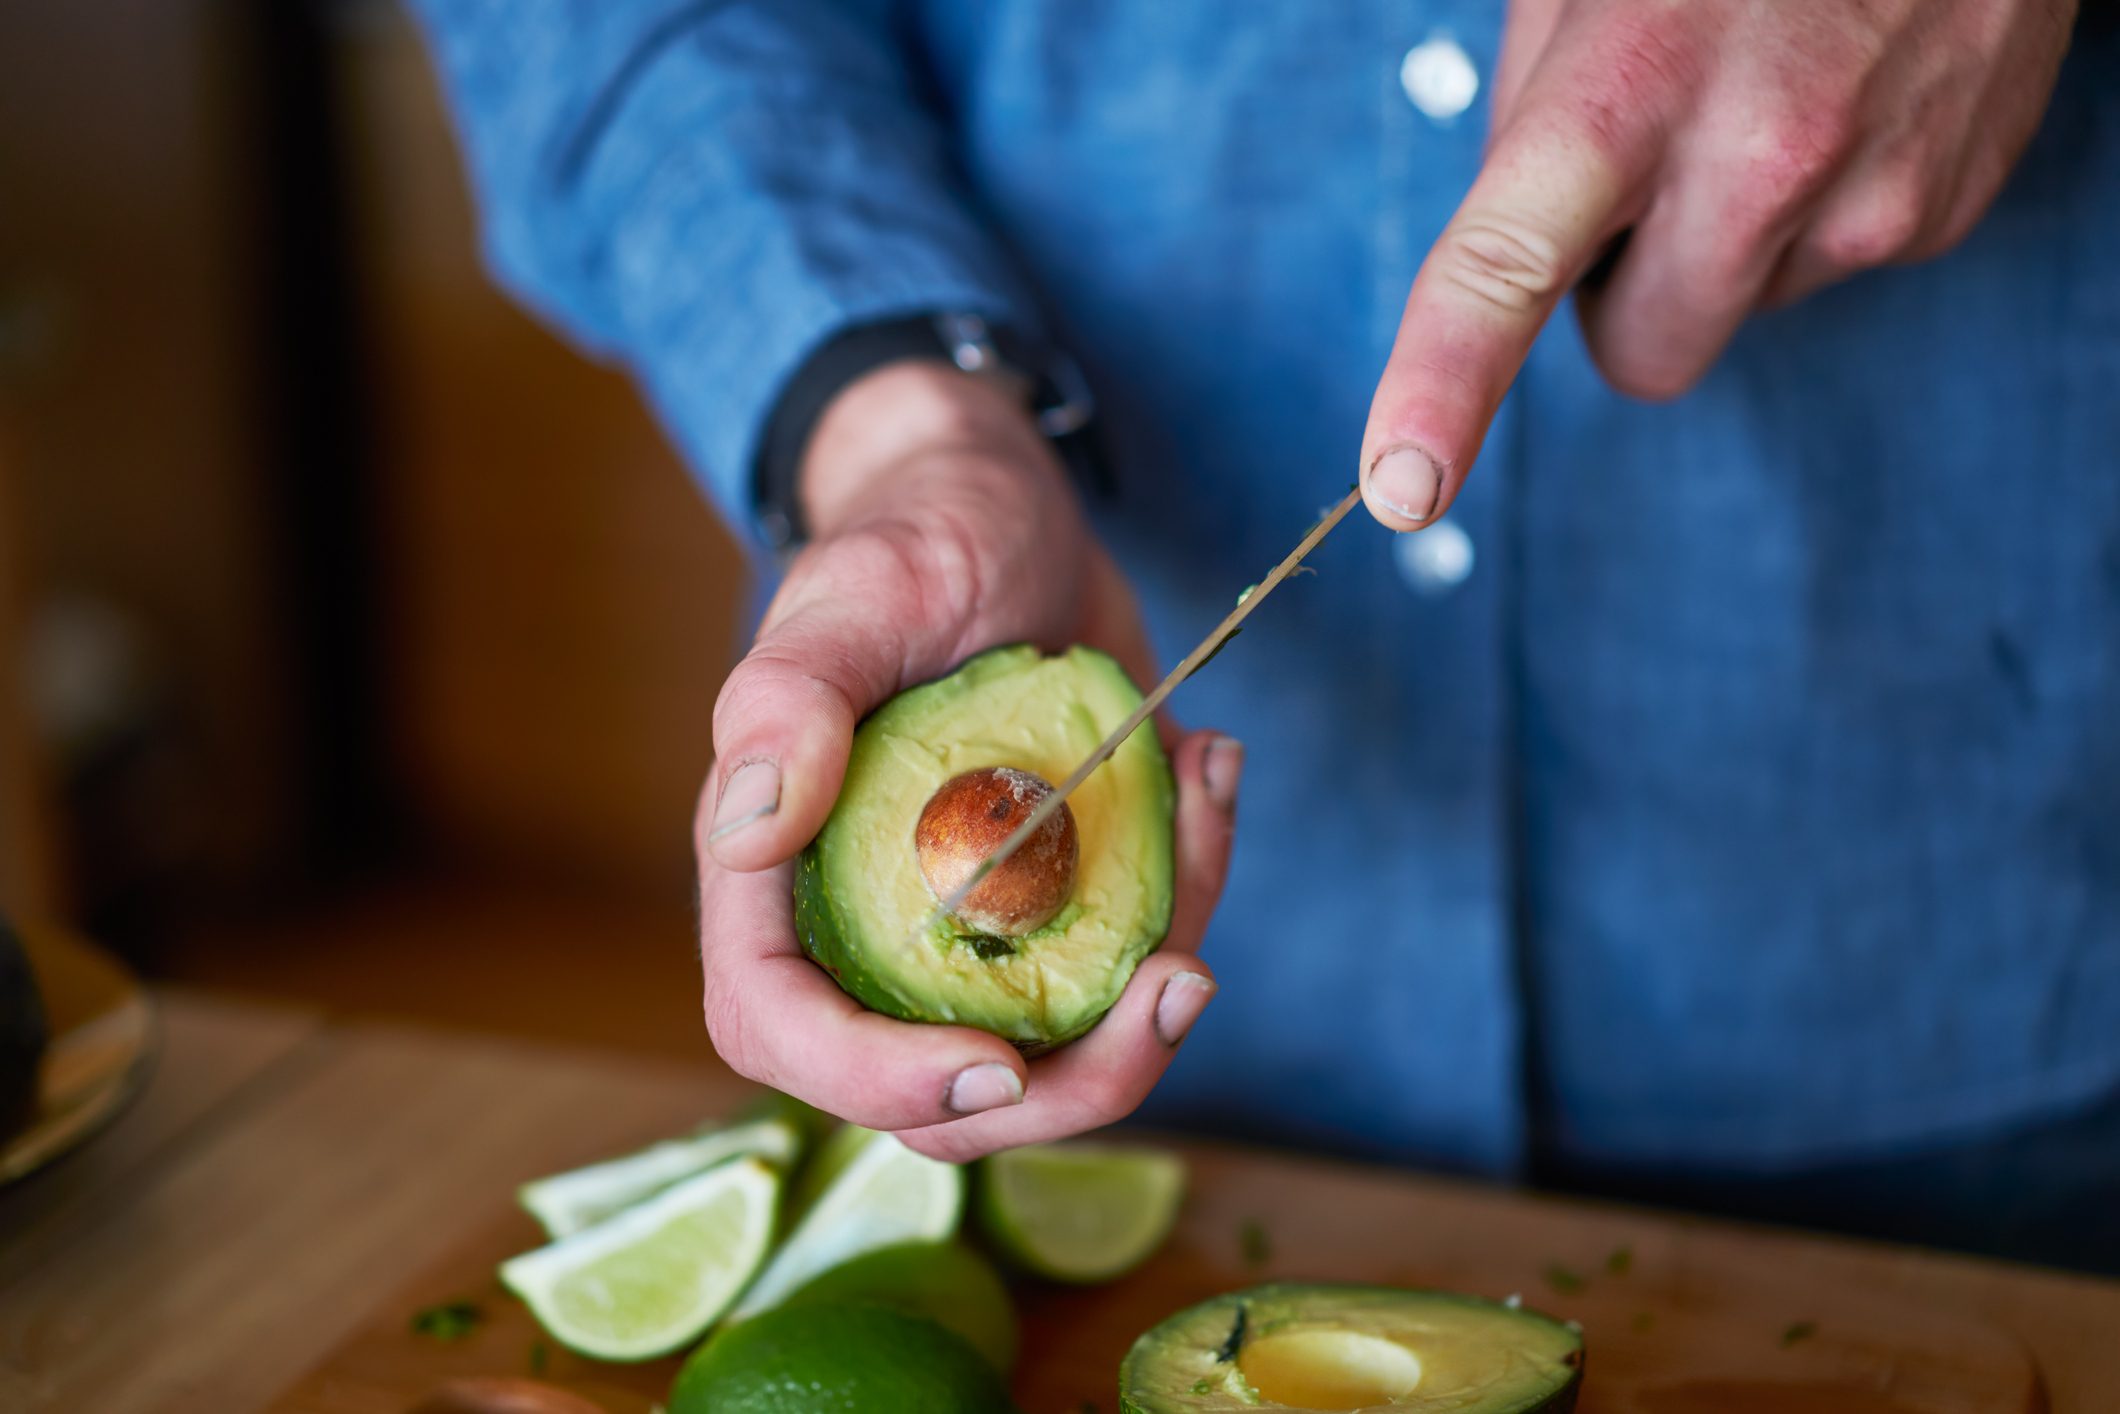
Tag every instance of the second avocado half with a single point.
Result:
(938, 775)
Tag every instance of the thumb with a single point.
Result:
(1554, 189)
(840, 638)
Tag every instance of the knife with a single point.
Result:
(1187, 666)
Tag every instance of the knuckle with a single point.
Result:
(1605, 119)
(1817, 135)
(944, 1147)
(1788, 162)
(749, 692)
(1503, 263)
(924, 1144)
(728, 1029)
(775, 683)
(1636, 72)
(1882, 229)
(1109, 1097)
(935, 570)
(876, 560)
(1650, 382)
(1651, 56)
(1640, 370)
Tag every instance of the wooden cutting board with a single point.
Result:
(1680, 1316)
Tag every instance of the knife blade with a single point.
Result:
(1187, 666)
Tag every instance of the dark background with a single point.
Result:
(360, 640)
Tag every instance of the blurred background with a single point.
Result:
(360, 639)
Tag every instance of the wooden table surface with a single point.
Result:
(283, 1177)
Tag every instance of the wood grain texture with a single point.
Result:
(215, 1275)
(259, 1231)
(1698, 1322)
(209, 1051)
(97, 1057)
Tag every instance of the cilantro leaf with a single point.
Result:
(449, 1321)
(1563, 1279)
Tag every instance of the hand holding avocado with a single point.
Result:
(942, 526)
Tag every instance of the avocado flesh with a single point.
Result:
(1310, 1348)
(861, 900)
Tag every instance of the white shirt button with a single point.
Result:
(1434, 561)
(1439, 78)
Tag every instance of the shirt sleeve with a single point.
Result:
(709, 192)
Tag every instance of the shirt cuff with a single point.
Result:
(742, 248)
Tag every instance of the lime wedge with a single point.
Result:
(1079, 1212)
(647, 1281)
(865, 1190)
(565, 1203)
(812, 1126)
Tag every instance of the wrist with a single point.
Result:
(915, 413)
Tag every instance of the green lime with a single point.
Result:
(565, 1203)
(648, 1280)
(811, 1125)
(828, 1356)
(1079, 1212)
(829, 1158)
(864, 1190)
(947, 1283)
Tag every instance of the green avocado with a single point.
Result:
(861, 897)
(1289, 1346)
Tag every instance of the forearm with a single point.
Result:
(713, 193)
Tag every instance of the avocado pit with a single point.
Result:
(966, 819)
(1329, 1368)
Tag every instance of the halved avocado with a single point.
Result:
(1326, 1347)
(862, 890)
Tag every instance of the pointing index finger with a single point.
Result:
(1557, 186)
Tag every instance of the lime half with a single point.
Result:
(1079, 1212)
(835, 1356)
(946, 1282)
(565, 1203)
(865, 1190)
(645, 1282)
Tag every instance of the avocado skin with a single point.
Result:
(1151, 1343)
(825, 938)
(23, 1034)
(830, 934)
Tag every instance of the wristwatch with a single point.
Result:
(1048, 382)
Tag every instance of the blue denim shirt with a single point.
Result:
(1733, 783)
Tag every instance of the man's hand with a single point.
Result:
(1750, 152)
(942, 526)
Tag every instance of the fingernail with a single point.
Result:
(1407, 481)
(987, 1086)
(1184, 997)
(1221, 770)
(750, 795)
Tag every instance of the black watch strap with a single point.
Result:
(1059, 399)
